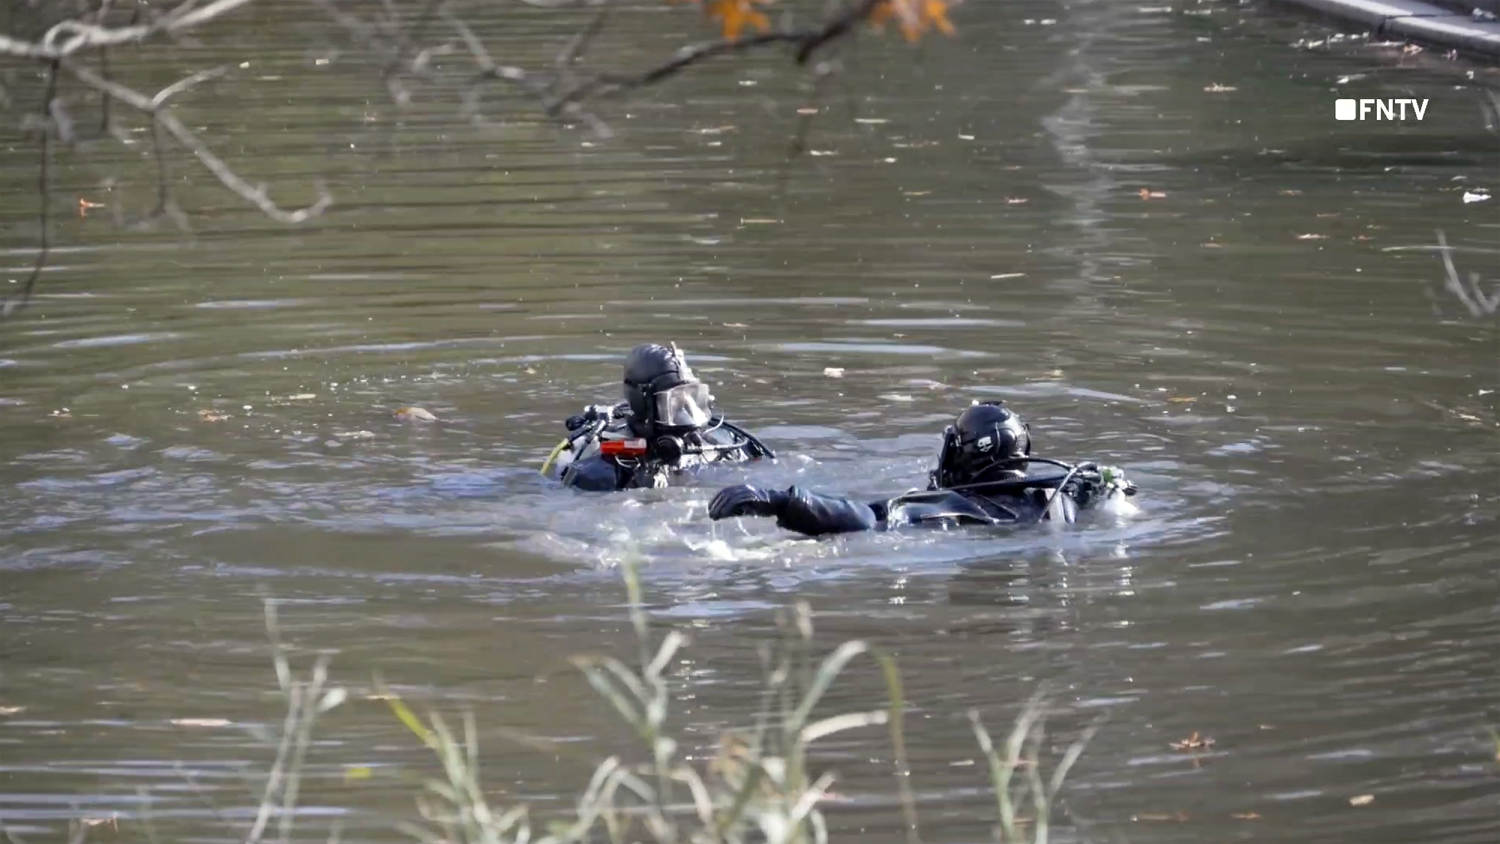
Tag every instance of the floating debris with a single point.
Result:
(1147, 193)
(1312, 236)
(1362, 800)
(210, 415)
(354, 435)
(199, 722)
(833, 371)
(11, 710)
(999, 276)
(1474, 196)
(1016, 200)
(1193, 742)
(1246, 816)
(1216, 88)
(1179, 817)
(415, 414)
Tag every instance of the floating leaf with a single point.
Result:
(415, 414)
(1193, 742)
(914, 17)
(735, 15)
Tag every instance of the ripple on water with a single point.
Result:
(116, 340)
(251, 304)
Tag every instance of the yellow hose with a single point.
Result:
(553, 456)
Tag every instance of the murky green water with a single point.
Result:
(1313, 423)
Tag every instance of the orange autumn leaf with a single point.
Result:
(915, 17)
(735, 15)
(936, 12)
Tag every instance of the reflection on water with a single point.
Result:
(193, 422)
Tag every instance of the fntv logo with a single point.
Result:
(1386, 109)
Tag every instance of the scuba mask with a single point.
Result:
(687, 405)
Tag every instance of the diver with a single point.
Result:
(666, 426)
(984, 476)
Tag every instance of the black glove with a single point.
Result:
(746, 500)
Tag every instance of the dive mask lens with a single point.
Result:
(684, 406)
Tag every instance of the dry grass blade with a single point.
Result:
(1023, 751)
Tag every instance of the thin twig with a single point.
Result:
(185, 83)
(44, 207)
(573, 50)
(1477, 305)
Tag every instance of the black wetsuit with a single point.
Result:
(604, 473)
(1020, 500)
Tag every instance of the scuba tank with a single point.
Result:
(599, 429)
(602, 430)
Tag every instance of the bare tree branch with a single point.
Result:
(396, 37)
(807, 42)
(70, 36)
(254, 194)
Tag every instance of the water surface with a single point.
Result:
(195, 421)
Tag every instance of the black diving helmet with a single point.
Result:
(665, 397)
(986, 443)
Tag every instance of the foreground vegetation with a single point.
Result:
(762, 786)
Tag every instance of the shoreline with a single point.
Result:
(1413, 20)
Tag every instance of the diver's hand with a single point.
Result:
(746, 500)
